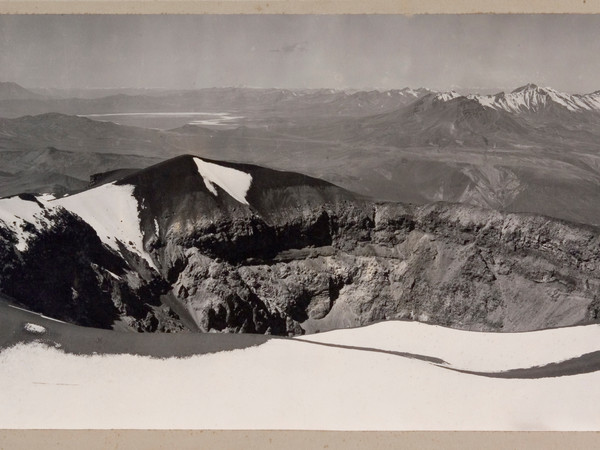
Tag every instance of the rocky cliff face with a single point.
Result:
(446, 264)
(288, 254)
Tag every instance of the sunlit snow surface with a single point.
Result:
(16, 213)
(111, 210)
(235, 182)
(292, 384)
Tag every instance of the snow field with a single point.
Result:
(112, 211)
(284, 384)
(16, 213)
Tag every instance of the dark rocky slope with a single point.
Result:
(302, 255)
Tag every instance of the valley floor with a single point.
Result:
(388, 376)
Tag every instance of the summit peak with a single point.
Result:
(526, 87)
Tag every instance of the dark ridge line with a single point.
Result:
(430, 359)
(586, 363)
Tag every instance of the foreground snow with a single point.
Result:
(292, 384)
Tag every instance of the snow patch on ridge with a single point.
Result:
(447, 96)
(33, 328)
(112, 211)
(17, 213)
(235, 182)
(37, 314)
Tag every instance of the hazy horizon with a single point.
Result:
(158, 89)
(479, 53)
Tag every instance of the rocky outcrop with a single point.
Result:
(452, 265)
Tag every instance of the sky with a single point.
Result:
(484, 53)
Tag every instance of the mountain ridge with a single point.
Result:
(13, 91)
(189, 244)
(527, 99)
(531, 98)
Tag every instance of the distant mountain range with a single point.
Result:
(531, 150)
(531, 98)
(525, 99)
(16, 101)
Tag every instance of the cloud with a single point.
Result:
(291, 48)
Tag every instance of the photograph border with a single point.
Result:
(188, 439)
(407, 7)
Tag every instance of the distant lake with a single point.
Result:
(169, 120)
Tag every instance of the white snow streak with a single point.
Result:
(235, 182)
(35, 329)
(37, 314)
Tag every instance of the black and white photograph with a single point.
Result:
(300, 222)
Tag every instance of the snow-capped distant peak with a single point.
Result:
(527, 87)
(533, 98)
(447, 96)
(235, 182)
(409, 91)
